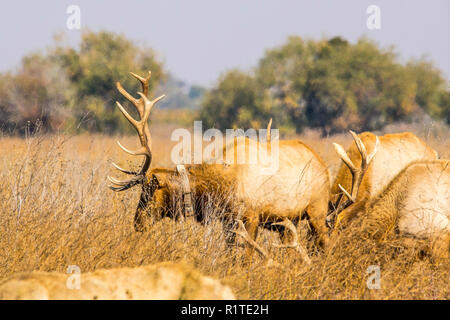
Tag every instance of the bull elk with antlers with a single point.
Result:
(301, 185)
(391, 154)
(415, 203)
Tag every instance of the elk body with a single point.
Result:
(415, 204)
(301, 185)
(394, 153)
(164, 281)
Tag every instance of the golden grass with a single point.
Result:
(56, 211)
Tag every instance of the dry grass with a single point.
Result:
(56, 211)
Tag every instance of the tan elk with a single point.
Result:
(394, 152)
(162, 281)
(415, 203)
(301, 185)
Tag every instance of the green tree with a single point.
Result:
(282, 73)
(357, 86)
(235, 102)
(330, 84)
(63, 87)
(445, 106)
(102, 59)
(430, 86)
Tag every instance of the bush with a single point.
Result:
(37, 93)
(236, 101)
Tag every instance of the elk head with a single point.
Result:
(154, 182)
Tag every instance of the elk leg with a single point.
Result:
(317, 212)
(252, 229)
(140, 215)
(227, 227)
(139, 224)
(142, 210)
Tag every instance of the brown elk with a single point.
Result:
(394, 152)
(301, 185)
(415, 203)
(169, 281)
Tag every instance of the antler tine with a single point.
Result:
(365, 159)
(123, 185)
(148, 105)
(118, 182)
(294, 244)
(127, 115)
(144, 81)
(269, 126)
(374, 151)
(361, 148)
(344, 157)
(154, 101)
(140, 152)
(346, 193)
(357, 173)
(124, 170)
(129, 97)
(136, 102)
(241, 231)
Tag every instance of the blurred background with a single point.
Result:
(309, 66)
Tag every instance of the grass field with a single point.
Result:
(56, 210)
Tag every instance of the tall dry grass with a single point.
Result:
(56, 211)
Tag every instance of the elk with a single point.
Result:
(301, 185)
(415, 203)
(166, 281)
(394, 152)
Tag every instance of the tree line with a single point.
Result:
(65, 88)
(328, 84)
(331, 85)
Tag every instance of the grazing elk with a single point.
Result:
(301, 185)
(394, 152)
(415, 203)
(162, 281)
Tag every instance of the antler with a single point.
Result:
(143, 106)
(269, 137)
(357, 173)
(294, 244)
(241, 231)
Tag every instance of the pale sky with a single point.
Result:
(200, 39)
